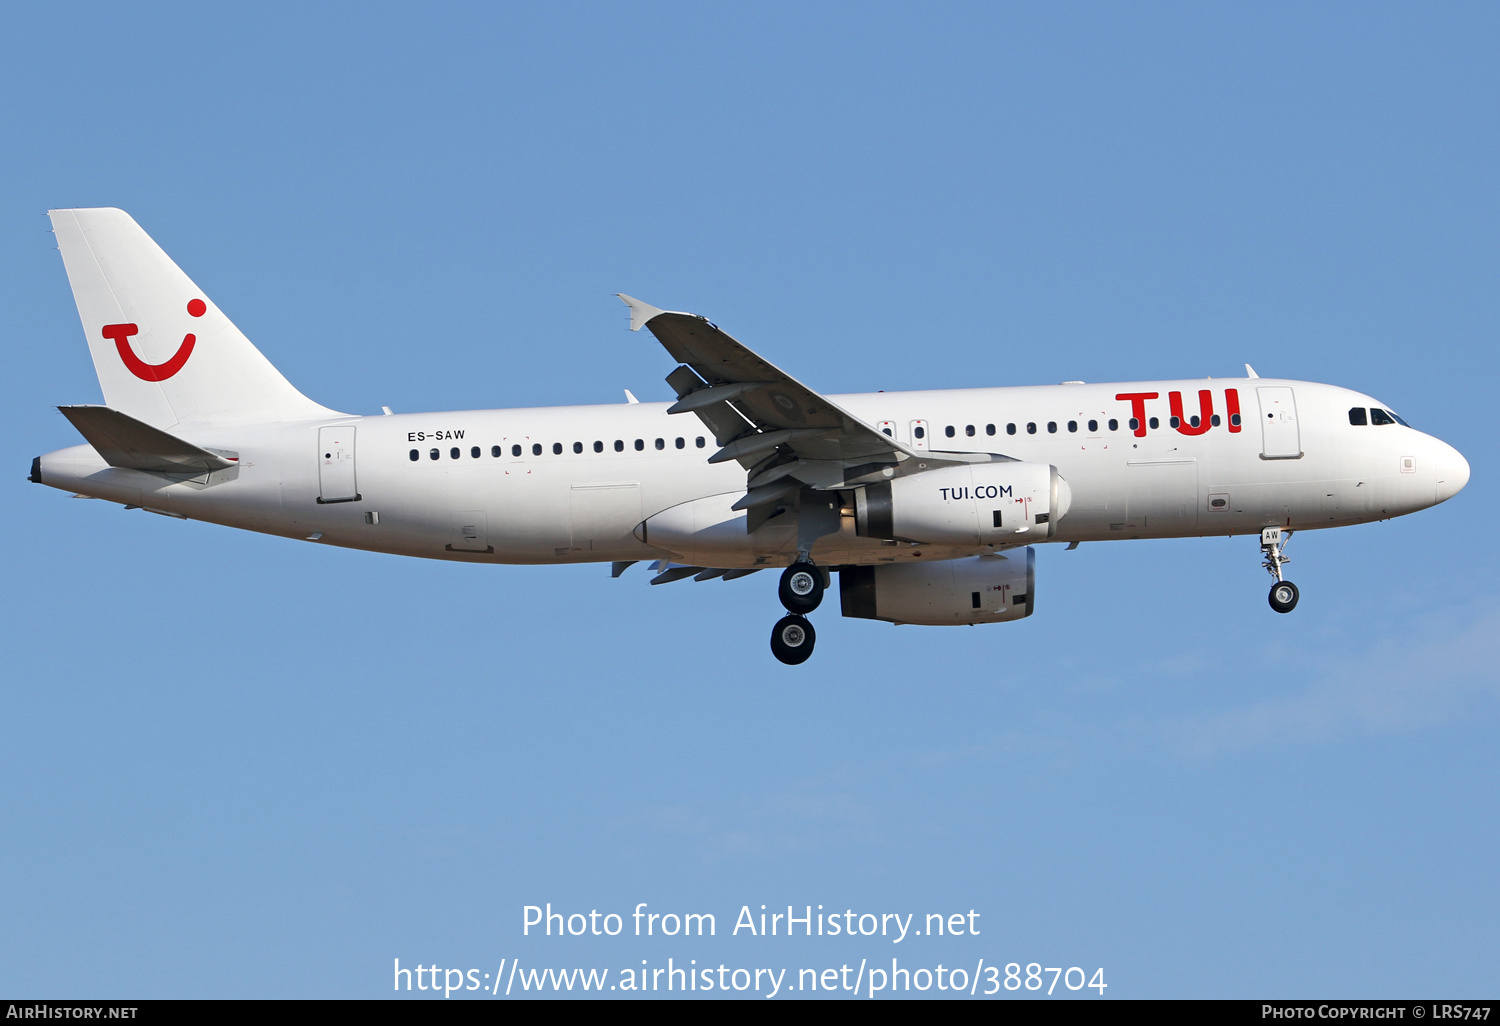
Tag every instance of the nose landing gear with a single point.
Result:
(800, 591)
(1283, 597)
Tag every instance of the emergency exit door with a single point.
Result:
(336, 481)
(919, 431)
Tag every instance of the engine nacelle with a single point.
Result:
(970, 504)
(976, 589)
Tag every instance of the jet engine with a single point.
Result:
(978, 589)
(968, 504)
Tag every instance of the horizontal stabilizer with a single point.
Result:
(129, 444)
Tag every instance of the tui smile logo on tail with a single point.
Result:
(120, 334)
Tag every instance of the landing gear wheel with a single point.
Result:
(792, 639)
(801, 588)
(1283, 596)
(1273, 541)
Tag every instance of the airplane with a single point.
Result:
(928, 504)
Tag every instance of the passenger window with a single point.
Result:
(1135, 425)
(1072, 425)
(598, 446)
(919, 432)
(661, 443)
(619, 445)
(969, 430)
(453, 452)
(1174, 422)
(640, 445)
(474, 453)
(515, 450)
(681, 442)
(1010, 429)
(989, 429)
(1379, 416)
(1051, 427)
(415, 455)
(1031, 427)
(536, 448)
(578, 447)
(1093, 427)
(1114, 425)
(1214, 420)
(888, 432)
(950, 432)
(434, 454)
(699, 442)
(1234, 418)
(1155, 423)
(495, 451)
(557, 448)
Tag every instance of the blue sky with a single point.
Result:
(233, 765)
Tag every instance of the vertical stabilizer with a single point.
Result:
(164, 353)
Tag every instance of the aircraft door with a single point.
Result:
(336, 464)
(1280, 437)
(1161, 497)
(605, 514)
(919, 434)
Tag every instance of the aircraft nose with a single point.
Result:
(1452, 472)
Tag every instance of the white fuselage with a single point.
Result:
(531, 496)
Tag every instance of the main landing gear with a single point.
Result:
(801, 588)
(1273, 542)
(801, 591)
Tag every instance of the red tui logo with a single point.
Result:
(120, 335)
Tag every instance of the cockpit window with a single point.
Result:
(1379, 416)
(1357, 416)
(1398, 419)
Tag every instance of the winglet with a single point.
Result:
(640, 312)
(1250, 372)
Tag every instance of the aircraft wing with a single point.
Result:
(759, 414)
